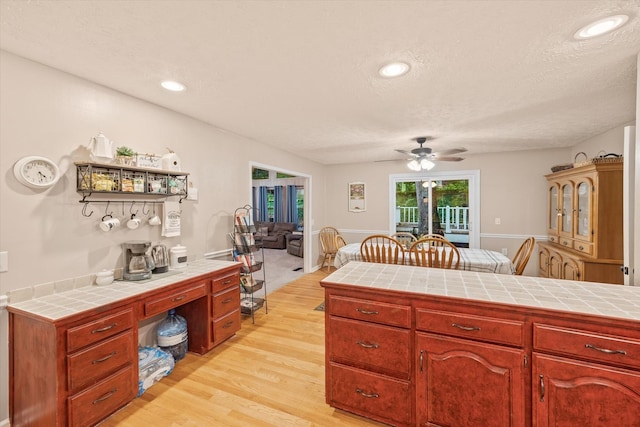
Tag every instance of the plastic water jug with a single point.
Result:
(173, 336)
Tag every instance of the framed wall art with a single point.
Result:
(357, 197)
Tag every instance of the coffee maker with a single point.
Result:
(137, 264)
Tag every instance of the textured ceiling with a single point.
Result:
(302, 75)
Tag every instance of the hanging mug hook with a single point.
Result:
(84, 210)
(144, 206)
(131, 210)
(106, 211)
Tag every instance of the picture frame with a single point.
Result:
(357, 197)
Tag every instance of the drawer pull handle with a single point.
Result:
(103, 359)
(180, 298)
(541, 388)
(363, 311)
(367, 395)
(228, 300)
(226, 282)
(106, 328)
(228, 325)
(606, 350)
(421, 359)
(105, 396)
(465, 328)
(581, 247)
(367, 345)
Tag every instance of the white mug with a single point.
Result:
(134, 222)
(155, 220)
(108, 223)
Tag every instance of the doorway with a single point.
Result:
(445, 203)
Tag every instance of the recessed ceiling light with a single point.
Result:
(394, 69)
(601, 26)
(173, 86)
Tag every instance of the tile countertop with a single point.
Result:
(59, 305)
(565, 295)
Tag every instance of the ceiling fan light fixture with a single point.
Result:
(173, 86)
(426, 164)
(414, 165)
(600, 27)
(394, 69)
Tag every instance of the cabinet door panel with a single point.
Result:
(570, 393)
(462, 383)
(584, 209)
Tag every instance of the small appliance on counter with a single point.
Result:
(160, 257)
(137, 264)
(178, 257)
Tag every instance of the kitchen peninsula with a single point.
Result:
(420, 346)
(73, 356)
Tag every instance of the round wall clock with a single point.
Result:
(36, 172)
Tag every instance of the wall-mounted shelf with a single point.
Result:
(110, 179)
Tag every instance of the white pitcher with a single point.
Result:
(101, 149)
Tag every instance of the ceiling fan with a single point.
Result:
(424, 157)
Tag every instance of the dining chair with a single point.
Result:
(382, 249)
(340, 242)
(522, 256)
(437, 239)
(435, 252)
(405, 238)
(327, 237)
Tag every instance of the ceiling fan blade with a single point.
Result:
(451, 151)
(407, 153)
(448, 159)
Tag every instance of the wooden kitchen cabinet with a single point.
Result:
(584, 223)
(77, 369)
(584, 378)
(478, 362)
(369, 358)
(466, 383)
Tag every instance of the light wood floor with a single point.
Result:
(269, 374)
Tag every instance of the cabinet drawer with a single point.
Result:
(104, 327)
(583, 247)
(500, 331)
(225, 302)
(567, 243)
(225, 282)
(371, 311)
(371, 395)
(93, 363)
(175, 299)
(379, 348)
(552, 238)
(586, 345)
(97, 402)
(226, 326)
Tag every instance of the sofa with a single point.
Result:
(273, 235)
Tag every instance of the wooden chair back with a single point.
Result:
(437, 239)
(340, 242)
(522, 256)
(405, 238)
(382, 249)
(435, 252)
(327, 238)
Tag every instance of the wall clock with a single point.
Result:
(36, 172)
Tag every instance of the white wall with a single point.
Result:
(50, 113)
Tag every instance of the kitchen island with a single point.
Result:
(73, 356)
(420, 346)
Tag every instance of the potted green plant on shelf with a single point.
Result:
(125, 156)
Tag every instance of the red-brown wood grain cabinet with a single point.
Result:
(368, 351)
(477, 363)
(77, 370)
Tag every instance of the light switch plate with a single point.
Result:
(4, 261)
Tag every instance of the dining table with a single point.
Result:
(471, 259)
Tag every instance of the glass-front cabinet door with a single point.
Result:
(553, 220)
(584, 210)
(566, 209)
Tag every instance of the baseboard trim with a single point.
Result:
(5, 423)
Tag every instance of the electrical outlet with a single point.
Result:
(497, 221)
(505, 252)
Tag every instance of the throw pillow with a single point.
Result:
(263, 232)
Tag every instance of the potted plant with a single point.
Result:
(125, 155)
